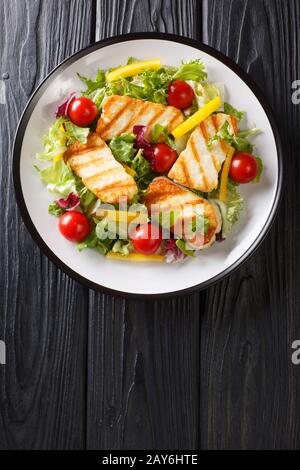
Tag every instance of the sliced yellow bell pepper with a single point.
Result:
(129, 170)
(58, 158)
(196, 118)
(122, 216)
(224, 175)
(133, 69)
(137, 257)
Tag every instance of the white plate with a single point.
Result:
(146, 279)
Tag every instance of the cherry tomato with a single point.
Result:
(82, 111)
(74, 226)
(180, 94)
(163, 159)
(244, 168)
(146, 239)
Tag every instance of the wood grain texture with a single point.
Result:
(143, 356)
(43, 312)
(169, 16)
(249, 386)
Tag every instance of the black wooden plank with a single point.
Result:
(43, 312)
(249, 387)
(143, 357)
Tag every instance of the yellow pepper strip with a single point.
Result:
(129, 170)
(137, 257)
(133, 69)
(196, 118)
(58, 158)
(224, 175)
(123, 216)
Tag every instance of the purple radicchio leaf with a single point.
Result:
(69, 203)
(173, 253)
(142, 143)
(62, 109)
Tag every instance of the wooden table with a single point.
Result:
(211, 370)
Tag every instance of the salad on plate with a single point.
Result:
(145, 163)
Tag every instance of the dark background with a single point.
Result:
(212, 370)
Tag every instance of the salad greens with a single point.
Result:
(61, 134)
(239, 141)
(133, 151)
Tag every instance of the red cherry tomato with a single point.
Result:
(163, 159)
(180, 94)
(146, 239)
(82, 111)
(74, 226)
(244, 168)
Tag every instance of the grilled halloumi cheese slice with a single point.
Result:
(198, 166)
(121, 113)
(99, 170)
(163, 195)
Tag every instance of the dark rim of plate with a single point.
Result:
(99, 45)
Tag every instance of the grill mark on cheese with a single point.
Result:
(134, 112)
(155, 117)
(207, 136)
(165, 195)
(198, 165)
(99, 170)
(102, 174)
(140, 109)
(197, 156)
(113, 119)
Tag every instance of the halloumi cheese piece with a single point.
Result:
(121, 113)
(100, 171)
(163, 195)
(198, 166)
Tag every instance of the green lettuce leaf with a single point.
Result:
(235, 203)
(59, 178)
(240, 141)
(122, 247)
(155, 84)
(232, 209)
(228, 109)
(192, 70)
(93, 85)
(75, 133)
(61, 134)
(260, 170)
(54, 141)
(93, 242)
(55, 210)
(184, 248)
(162, 131)
(123, 148)
(144, 174)
(211, 91)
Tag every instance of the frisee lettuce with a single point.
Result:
(240, 141)
(229, 109)
(123, 148)
(151, 85)
(55, 210)
(161, 132)
(184, 248)
(144, 174)
(61, 181)
(192, 70)
(93, 242)
(61, 134)
(122, 247)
